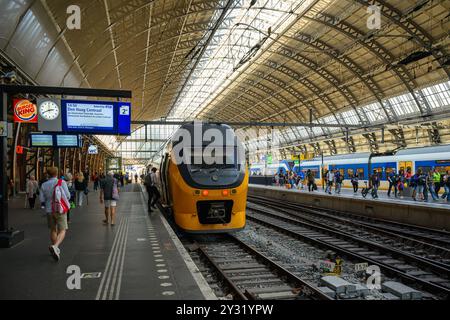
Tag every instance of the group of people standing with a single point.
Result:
(422, 183)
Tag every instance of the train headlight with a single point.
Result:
(205, 193)
(225, 193)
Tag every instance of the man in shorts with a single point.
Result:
(106, 197)
(57, 222)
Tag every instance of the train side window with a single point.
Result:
(442, 169)
(379, 172)
(360, 173)
(350, 173)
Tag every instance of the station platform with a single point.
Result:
(139, 258)
(431, 214)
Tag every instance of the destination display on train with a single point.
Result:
(96, 117)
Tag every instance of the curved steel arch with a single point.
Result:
(368, 41)
(412, 28)
(347, 62)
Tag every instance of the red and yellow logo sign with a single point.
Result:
(25, 111)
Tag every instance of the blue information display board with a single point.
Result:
(96, 117)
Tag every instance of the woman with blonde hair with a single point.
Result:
(80, 187)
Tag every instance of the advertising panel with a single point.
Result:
(25, 111)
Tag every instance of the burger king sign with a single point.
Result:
(25, 111)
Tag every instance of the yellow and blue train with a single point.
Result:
(205, 196)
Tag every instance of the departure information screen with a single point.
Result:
(41, 140)
(67, 141)
(96, 117)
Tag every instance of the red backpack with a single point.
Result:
(60, 203)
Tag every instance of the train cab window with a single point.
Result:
(360, 172)
(350, 173)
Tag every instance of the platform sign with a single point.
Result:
(93, 149)
(96, 117)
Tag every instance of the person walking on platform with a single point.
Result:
(330, 178)
(375, 183)
(355, 181)
(96, 180)
(391, 179)
(421, 182)
(338, 182)
(430, 187)
(80, 187)
(136, 178)
(32, 190)
(436, 178)
(311, 180)
(446, 181)
(109, 195)
(148, 187)
(155, 191)
(56, 209)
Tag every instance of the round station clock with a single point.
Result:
(49, 110)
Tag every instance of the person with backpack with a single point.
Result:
(55, 194)
(109, 195)
(421, 182)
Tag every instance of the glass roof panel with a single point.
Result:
(242, 29)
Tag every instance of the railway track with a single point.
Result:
(247, 274)
(430, 244)
(411, 269)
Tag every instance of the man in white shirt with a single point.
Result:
(57, 222)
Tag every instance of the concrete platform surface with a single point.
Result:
(136, 259)
(430, 215)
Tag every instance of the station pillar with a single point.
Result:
(8, 236)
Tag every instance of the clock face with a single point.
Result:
(49, 110)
